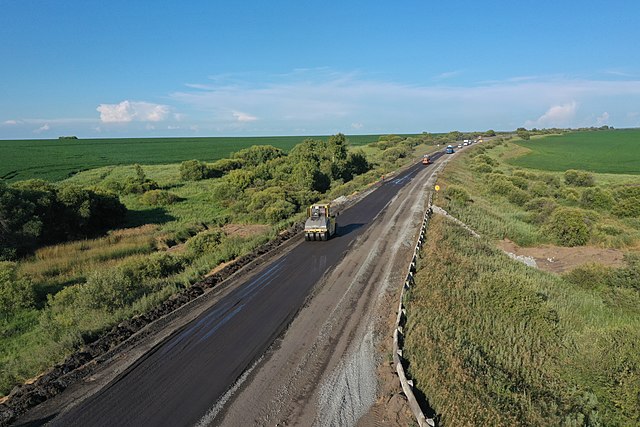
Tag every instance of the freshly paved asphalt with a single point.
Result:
(180, 380)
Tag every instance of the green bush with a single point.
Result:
(540, 209)
(518, 197)
(519, 182)
(627, 204)
(111, 289)
(153, 266)
(570, 226)
(193, 170)
(500, 184)
(204, 242)
(279, 210)
(394, 153)
(482, 168)
(222, 166)
(457, 194)
(627, 208)
(158, 198)
(15, 293)
(571, 195)
(539, 189)
(579, 178)
(258, 154)
(596, 198)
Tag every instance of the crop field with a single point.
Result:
(54, 160)
(614, 151)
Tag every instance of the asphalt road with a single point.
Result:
(179, 380)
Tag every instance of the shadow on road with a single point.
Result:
(343, 230)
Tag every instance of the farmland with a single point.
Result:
(54, 160)
(614, 151)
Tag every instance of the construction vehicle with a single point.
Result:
(321, 222)
(426, 160)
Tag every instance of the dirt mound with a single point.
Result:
(558, 259)
(83, 362)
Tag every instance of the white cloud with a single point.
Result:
(602, 119)
(10, 122)
(357, 126)
(320, 101)
(129, 111)
(448, 75)
(45, 127)
(244, 117)
(556, 116)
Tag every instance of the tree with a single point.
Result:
(523, 134)
(490, 132)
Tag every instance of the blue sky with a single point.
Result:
(221, 68)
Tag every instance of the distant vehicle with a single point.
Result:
(321, 222)
(449, 149)
(465, 143)
(459, 145)
(426, 160)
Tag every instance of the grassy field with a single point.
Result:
(491, 341)
(613, 151)
(54, 160)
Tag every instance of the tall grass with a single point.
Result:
(491, 341)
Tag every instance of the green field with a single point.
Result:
(614, 151)
(54, 160)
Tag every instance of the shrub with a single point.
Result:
(158, 198)
(569, 194)
(596, 198)
(570, 226)
(627, 202)
(240, 178)
(518, 197)
(193, 170)
(156, 265)
(222, 166)
(457, 194)
(539, 189)
(500, 184)
(258, 154)
(540, 209)
(627, 208)
(204, 242)
(579, 178)
(279, 211)
(519, 182)
(111, 289)
(394, 153)
(550, 180)
(483, 158)
(482, 168)
(15, 293)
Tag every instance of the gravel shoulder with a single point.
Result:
(332, 366)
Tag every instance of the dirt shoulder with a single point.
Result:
(559, 259)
